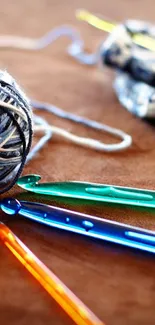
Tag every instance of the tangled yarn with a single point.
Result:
(16, 117)
(135, 67)
(133, 84)
(15, 131)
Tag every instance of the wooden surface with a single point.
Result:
(117, 284)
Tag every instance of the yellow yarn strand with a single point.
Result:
(107, 26)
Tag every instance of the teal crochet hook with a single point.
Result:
(90, 191)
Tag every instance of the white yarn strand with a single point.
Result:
(76, 50)
(83, 141)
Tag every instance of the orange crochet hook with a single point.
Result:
(73, 306)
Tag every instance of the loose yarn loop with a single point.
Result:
(86, 142)
(76, 50)
(16, 115)
(16, 119)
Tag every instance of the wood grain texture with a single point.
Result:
(117, 284)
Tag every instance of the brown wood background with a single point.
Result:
(117, 284)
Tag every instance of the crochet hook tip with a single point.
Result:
(10, 206)
(28, 179)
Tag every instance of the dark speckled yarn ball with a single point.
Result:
(15, 131)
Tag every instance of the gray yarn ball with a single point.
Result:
(15, 130)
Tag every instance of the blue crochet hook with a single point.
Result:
(83, 224)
